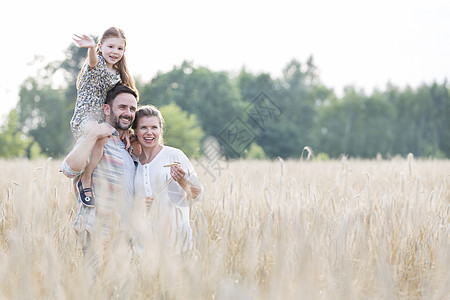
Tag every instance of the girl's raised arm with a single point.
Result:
(85, 41)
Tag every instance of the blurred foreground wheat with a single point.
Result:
(278, 229)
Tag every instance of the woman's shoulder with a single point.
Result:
(174, 153)
(172, 150)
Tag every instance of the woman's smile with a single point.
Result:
(148, 131)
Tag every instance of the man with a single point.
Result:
(113, 178)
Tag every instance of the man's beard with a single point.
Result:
(115, 122)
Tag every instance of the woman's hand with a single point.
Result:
(178, 174)
(84, 41)
(148, 201)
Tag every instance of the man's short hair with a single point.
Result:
(118, 89)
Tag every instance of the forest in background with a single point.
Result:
(249, 115)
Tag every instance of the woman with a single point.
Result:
(166, 182)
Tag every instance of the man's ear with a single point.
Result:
(107, 109)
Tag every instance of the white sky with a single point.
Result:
(354, 42)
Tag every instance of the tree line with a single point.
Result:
(249, 115)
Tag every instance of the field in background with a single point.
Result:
(278, 229)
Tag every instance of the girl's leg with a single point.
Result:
(96, 156)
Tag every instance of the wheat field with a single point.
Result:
(339, 229)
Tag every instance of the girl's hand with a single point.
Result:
(84, 41)
(127, 139)
(99, 131)
(135, 145)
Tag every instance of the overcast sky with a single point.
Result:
(353, 42)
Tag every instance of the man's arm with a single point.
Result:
(79, 155)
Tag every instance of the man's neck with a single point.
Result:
(121, 133)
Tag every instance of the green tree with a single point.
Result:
(181, 129)
(70, 68)
(433, 125)
(356, 125)
(44, 115)
(44, 110)
(209, 95)
(403, 128)
(421, 123)
(14, 143)
(440, 93)
(298, 94)
(250, 85)
(309, 114)
(255, 152)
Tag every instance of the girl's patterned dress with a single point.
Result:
(93, 86)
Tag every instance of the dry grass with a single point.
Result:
(264, 230)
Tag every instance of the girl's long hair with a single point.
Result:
(121, 65)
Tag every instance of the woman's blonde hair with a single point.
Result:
(121, 65)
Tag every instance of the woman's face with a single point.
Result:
(148, 131)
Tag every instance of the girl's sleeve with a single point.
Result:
(98, 73)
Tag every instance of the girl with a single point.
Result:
(105, 66)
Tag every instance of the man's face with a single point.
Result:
(121, 114)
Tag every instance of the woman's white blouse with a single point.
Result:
(170, 207)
